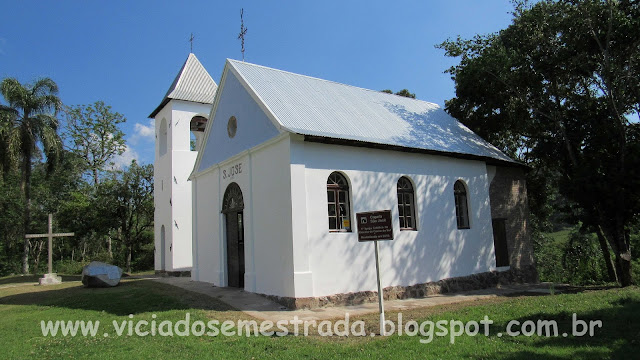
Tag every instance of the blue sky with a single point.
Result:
(126, 53)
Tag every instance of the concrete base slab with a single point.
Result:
(51, 279)
(175, 273)
(262, 308)
(238, 298)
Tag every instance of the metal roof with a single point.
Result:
(193, 83)
(321, 108)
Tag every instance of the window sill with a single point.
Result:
(340, 231)
(408, 229)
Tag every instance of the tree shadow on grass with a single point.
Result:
(618, 338)
(21, 279)
(130, 297)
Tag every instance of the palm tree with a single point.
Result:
(29, 120)
(7, 118)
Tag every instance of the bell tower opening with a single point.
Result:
(197, 126)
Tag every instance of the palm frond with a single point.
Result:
(28, 120)
(14, 93)
(7, 120)
(44, 86)
(47, 104)
(13, 145)
(7, 111)
(45, 121)
(52, 146)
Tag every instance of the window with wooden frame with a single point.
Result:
(406, 204)
(338, 203)
(462, 209)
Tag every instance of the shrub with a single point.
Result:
(569, 256)
(144, 258)
(583, 260)
(10, 267)
(548, 251)
(69, 267)
(103, 256)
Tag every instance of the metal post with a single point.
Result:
(380, 294)
(50, 243)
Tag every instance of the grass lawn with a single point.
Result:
(23, 307)
(561, 236)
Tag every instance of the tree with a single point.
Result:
(54, 190)
(11, 217)
(7, 120)
(557, 89)
(126, 202)
(30, 120)
(403, 92)
(95, 135)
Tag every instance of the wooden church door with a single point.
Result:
(232, 207)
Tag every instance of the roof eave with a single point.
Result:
(159, 108)
(371, 145)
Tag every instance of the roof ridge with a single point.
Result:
(180, 76)
(329, 81)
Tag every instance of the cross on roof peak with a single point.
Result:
(243, 31)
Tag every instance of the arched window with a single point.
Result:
(162, 137)
(462, 209)
(232, 200)
(338, 203)
(162, 247)
(406, 204)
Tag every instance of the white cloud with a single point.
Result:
(123, 160)
(142, 131)
(145, 130)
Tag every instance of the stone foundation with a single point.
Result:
(465, 283)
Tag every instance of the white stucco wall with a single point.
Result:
(262, 153)
(207, 246)
(162, 193)
(271, 213)
(264, 182)
(253, 126)
(338, 263)
(172, 190)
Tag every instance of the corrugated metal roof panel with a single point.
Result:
(311, 106)
(193, 83)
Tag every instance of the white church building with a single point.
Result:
(286, 161)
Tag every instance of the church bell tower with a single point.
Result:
(183, 112)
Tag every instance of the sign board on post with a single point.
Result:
(374, 226)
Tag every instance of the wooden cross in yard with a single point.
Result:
(49, 278)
